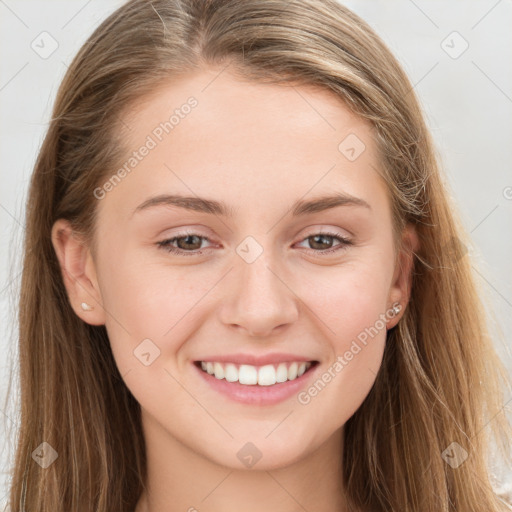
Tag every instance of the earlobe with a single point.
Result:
(402, 279)
(78, 273)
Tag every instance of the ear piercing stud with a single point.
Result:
(397, 308)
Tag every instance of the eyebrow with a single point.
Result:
(210, 206)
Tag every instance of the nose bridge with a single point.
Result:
(258, 283)
(259, 301)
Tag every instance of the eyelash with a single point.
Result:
(165, 244)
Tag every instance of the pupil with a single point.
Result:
(187, 241)
(319, 237)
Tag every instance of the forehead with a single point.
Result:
(226, 102)
(212, 132)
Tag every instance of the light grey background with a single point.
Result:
(467, 100)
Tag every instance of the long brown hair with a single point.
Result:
(440, 381)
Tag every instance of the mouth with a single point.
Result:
(250, 375)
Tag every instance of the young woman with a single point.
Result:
(244, 284)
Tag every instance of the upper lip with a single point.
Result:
(255, 360)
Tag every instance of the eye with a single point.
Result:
(319, 239)
(188, 244)
(185, 242)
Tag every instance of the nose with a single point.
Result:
(257, 298)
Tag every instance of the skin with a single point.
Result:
(258, 148)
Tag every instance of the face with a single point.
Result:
(256, 279)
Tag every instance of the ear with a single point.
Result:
(400, 290)
(78, 273)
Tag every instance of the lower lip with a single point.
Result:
(255, 394)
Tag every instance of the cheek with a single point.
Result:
(351, 311)
(151, 301)
(343, 385)
(349, 298)
(152, 311)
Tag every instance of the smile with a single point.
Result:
(249, 375)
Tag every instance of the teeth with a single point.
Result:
(282, 373)
(218, 370)
(249, 375)
(231, 373)
(267, 375)
(292, 371)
